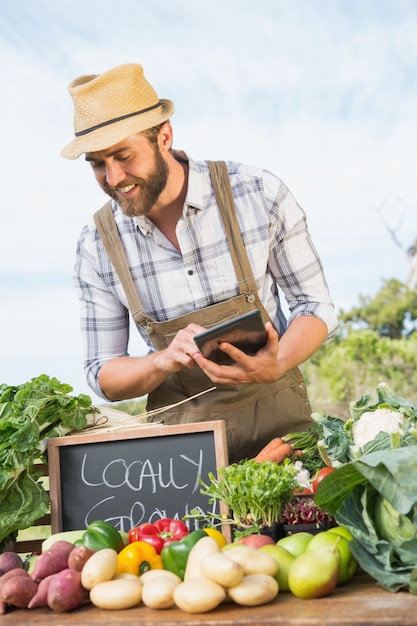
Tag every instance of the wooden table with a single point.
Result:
(359, 603)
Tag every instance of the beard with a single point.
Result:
(150, 187)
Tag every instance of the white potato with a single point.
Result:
(101, 566)
(158, 593)
(116, 594)
(254, 590)
(222, 570)
(198, 595)
(253, 561)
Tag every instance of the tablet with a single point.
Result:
(247, 332)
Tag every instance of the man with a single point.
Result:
(187, 270)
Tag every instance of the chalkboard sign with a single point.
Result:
(134, 475)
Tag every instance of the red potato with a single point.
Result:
(53, 560)
(78, 557)
(65, 591)
(41, 596)
(18, 591)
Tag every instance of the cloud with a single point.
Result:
(321, 93)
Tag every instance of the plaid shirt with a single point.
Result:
(172, 283)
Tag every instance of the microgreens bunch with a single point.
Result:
(255, 493)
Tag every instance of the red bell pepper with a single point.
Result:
(160, 533)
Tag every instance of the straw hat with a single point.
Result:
(111, 106)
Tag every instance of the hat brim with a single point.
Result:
(111, 134)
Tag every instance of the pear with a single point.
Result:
(315, 573)
(285, 561)
(295, 543)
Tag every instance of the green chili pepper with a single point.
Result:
(101, 534)
(175, 555)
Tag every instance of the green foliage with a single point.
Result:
(376, 343)
(30, 414)
(255, 493)
(391, 313)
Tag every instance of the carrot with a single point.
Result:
(276, 450)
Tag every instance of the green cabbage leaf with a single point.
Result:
(375, 497)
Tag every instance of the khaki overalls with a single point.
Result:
(253, 413)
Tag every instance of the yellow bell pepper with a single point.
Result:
(137, 558)
(216, 534)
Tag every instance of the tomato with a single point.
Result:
(319, 477)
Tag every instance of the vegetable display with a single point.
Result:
(373, 492)
(30, 414)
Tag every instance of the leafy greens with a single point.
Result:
(30, 414)
(375, 497)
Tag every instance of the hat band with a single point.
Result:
(116, 119)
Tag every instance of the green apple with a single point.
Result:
(284, 559)
(315, 572)
(348, 564)
(296, 543)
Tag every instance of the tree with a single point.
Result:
(376, 343)
(391, 313)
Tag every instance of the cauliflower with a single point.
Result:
(370, 423)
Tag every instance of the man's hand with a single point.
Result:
(261, 368)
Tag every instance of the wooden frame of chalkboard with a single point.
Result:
(134, 475)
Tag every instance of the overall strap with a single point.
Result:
(107, 229)
(223, 192)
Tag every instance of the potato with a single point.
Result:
(157, 573)
(253, 561)
(222, 570)
(9, 561)
(198, 595)
(204, 546)
(18, 571)
(116, 594)
(53, 560)
(254, 590)
(18, 591)
(158, 593)
(100, 567)
(41, 596)
(65, 591)
(78, 557)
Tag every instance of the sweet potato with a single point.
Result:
(65, 591)
(41, 596)
(78, 557)
(4, 578)
(8, 561)
(53, 560)
(18, 591)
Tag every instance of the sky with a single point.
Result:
(321, 92)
